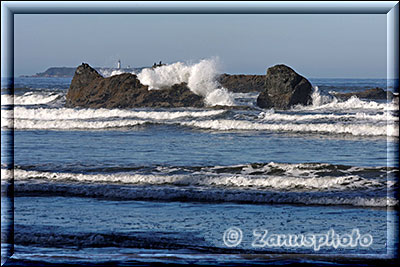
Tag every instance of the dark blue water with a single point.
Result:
(156, 185)
(172, 146)
(355, 85)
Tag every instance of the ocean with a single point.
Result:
(313, 184)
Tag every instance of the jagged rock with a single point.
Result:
(240, 83)
(91, 90)
(284, 88)
(374, 93)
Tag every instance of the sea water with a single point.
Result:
(206, 185)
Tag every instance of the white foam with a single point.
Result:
(252, 95)
(200, 77)
(68, 118)
(338, 128)
(7, 99)
(74, 114)
(110, 72)
(71, 124)
(281, 183)
(356, 117)
(300, 169)
(330, 103)
(219, 97)
(219, 125)
(318, 99)
(164, 76)
(6, 122)
(208, 194)
(29, 98)
(300, 184)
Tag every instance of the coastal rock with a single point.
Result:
(240, 83)
(91, 90)
(374, 93)
(284, 88)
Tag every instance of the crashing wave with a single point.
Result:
(200, 78)
(338, 128)
(29, 98)
(103, 113)
(282, 177)
(330, 103)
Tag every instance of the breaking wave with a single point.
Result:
(322, 102)
(359, 124)
(215, 125)
(337, 128)
(102, 113)
(30, 98)
(200, 78)
(67, 118)
(292, 181)
(304, 183)
(271, 115)
(152, 188)
(73, 124)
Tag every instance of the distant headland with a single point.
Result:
(66, 72)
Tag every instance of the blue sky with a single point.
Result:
(347, 46)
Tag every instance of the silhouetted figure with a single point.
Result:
(155, 65)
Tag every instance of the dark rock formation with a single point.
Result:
(374, 93)
(284, 88)
(240, 83)
(90, 90)
(179, 95)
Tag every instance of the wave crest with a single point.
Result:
(200, 78)
(30, 98)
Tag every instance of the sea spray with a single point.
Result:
(30, 98)
(318, 99)
(200, 78)
(109, 73)
(330, 103)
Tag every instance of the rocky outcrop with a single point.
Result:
(240, 83)
(284, 88)
(374, 93)
(91, 90)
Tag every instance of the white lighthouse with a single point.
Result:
(119, 64)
